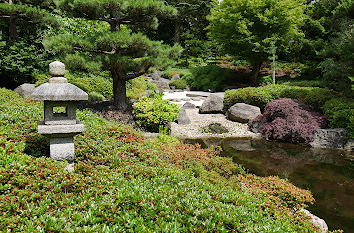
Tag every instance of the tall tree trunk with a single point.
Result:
(115, 23)
(12, 25)
(177, 38)
(255, 72)
(119, 91)
(274, 67)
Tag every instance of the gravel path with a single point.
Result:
(199, 121)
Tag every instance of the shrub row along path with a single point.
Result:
(194, 130)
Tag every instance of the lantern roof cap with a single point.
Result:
(58, 88)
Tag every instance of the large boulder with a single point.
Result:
(183, 118)
(25, 90)
(155, 76)
(162, 83)
(242, 112)
(329, 138)
(213, 104)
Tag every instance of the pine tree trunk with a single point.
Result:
(255, 73)
(177, 38)
(119, 91)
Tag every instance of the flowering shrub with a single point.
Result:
(289, 120)
(152, 113)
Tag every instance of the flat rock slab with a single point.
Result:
(199, 121)
(60, 129)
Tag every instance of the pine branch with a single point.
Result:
(95, 50)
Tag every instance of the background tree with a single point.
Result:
(123, 49)
(187, 28)
(21, 51)
(247, 28)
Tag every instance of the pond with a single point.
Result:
(329, 174)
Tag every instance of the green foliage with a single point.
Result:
(20, 61)
(340, 114)
(94, 96)
(265, 80)
(152, 113)
(170, 72)
(314, 97)
(137, 86)
(247, 28)
(122, 48)
(179, 84)
(92, 82)
(121, 182)
(209, 77)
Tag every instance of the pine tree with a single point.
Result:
(123, 50)
(30, 11)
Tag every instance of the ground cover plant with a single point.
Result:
(122, 183)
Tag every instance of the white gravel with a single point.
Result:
(199, 121)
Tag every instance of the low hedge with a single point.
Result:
(314, 97)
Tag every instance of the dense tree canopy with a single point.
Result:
(123, 50)
(21, 51)
(247, 28)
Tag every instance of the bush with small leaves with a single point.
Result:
(152, 113)
(289, 120)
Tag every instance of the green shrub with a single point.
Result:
(265, 80)
(94, 96)
(179, 84)
(169, 73)
(249, 95)
(209, 77)
(314, 97)
(137, 86)
(92, 83)
(340, 114)
(152, 113)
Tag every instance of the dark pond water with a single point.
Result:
(329, 174)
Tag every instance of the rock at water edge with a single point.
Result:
(243, 113)
(316, 220)
(329, 138)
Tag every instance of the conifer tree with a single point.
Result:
(123, 50)
(29, 11)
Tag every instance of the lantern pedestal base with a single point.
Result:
(62, 149)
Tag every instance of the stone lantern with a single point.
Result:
(60, 124)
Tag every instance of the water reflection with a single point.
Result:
(329, 174)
